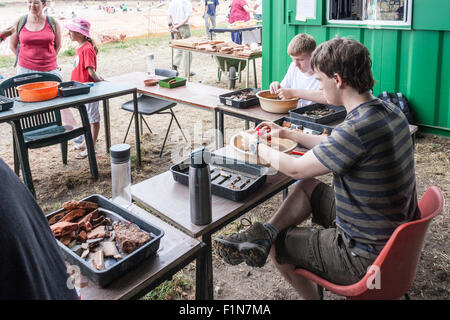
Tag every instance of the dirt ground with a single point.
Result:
(56, 183)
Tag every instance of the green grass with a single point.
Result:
(7, 61)
(69, 52)
(169, 290)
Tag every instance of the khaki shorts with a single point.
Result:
(321, 251)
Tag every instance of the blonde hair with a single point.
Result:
(301, 43)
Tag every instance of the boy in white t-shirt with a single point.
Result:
(299, 81)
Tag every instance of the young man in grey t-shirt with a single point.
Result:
(371, 158)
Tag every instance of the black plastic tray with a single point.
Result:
(299, 113)
(255, 173)
(316, 128)
(6, 103)
(114, 269)
(228, 101)
(73, 88)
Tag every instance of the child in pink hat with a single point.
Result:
(85, 70)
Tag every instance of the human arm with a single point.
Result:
(307, 166)
(94, 74)
(14, 40)
(311, 95)
(6, 33)
(58, 37)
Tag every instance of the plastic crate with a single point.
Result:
(114, 269)
(73, 88)
(6, 103)
(254, 175)
(300, 113)
(178, 82)
(227, 99)
(312, 127)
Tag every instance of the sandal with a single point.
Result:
(80, 147)
(82, 155)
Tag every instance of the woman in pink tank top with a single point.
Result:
(39, 47)
(39, 44)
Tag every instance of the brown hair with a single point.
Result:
(92, 42)
(348, 58)
(301, 43)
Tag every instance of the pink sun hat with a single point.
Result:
(79, 25)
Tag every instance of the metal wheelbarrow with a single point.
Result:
(232, 68)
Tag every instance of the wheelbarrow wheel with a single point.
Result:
(232, 77)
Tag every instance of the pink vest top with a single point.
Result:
(37, 49)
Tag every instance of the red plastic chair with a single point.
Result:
(395, 267)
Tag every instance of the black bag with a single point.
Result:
(400, 101)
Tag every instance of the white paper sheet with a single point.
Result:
(306, 9)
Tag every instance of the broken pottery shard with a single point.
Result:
(85, 223)
(100, 220)
(73, 214)
(130, 237)
(62, 228)
(85, 246)
(110, 250)
(84, 254)
(54, 219)
(98, 260)
(82, 236)
(67, 239)
(93, 242)
(77, 250)
(98, 232)
(86, 205)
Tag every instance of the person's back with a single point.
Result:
(32, 266)
(375, 182)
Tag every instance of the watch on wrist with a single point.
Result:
(254, 147)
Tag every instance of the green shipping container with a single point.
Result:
(412, 59)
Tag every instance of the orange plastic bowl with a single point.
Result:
(38, 91)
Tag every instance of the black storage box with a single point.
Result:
(6, 103)
(239, 171)
(314, 128)
(73, 88)
(229, 99)
(113, 268)
(300, 113)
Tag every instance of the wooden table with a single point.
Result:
(170, 200)
(193, 94)
(223, 55)
(257, 115)
(176, 250)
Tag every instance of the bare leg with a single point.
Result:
(297, 206)
(95, 128)
(293, 211)
(304, 287)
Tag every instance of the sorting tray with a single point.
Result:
(6, 103)
(178, 82)
(113, 268)
(73, 88)
(300, 113)
(227, 99)
(254, 175)
(312, 127)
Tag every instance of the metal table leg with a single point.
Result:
(221, 129)
(204, 272)
(136, 125)
(248, 74)
(254, 73)
(107, 124)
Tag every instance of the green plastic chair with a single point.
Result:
(40, 129)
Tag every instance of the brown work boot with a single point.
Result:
(252, 246)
